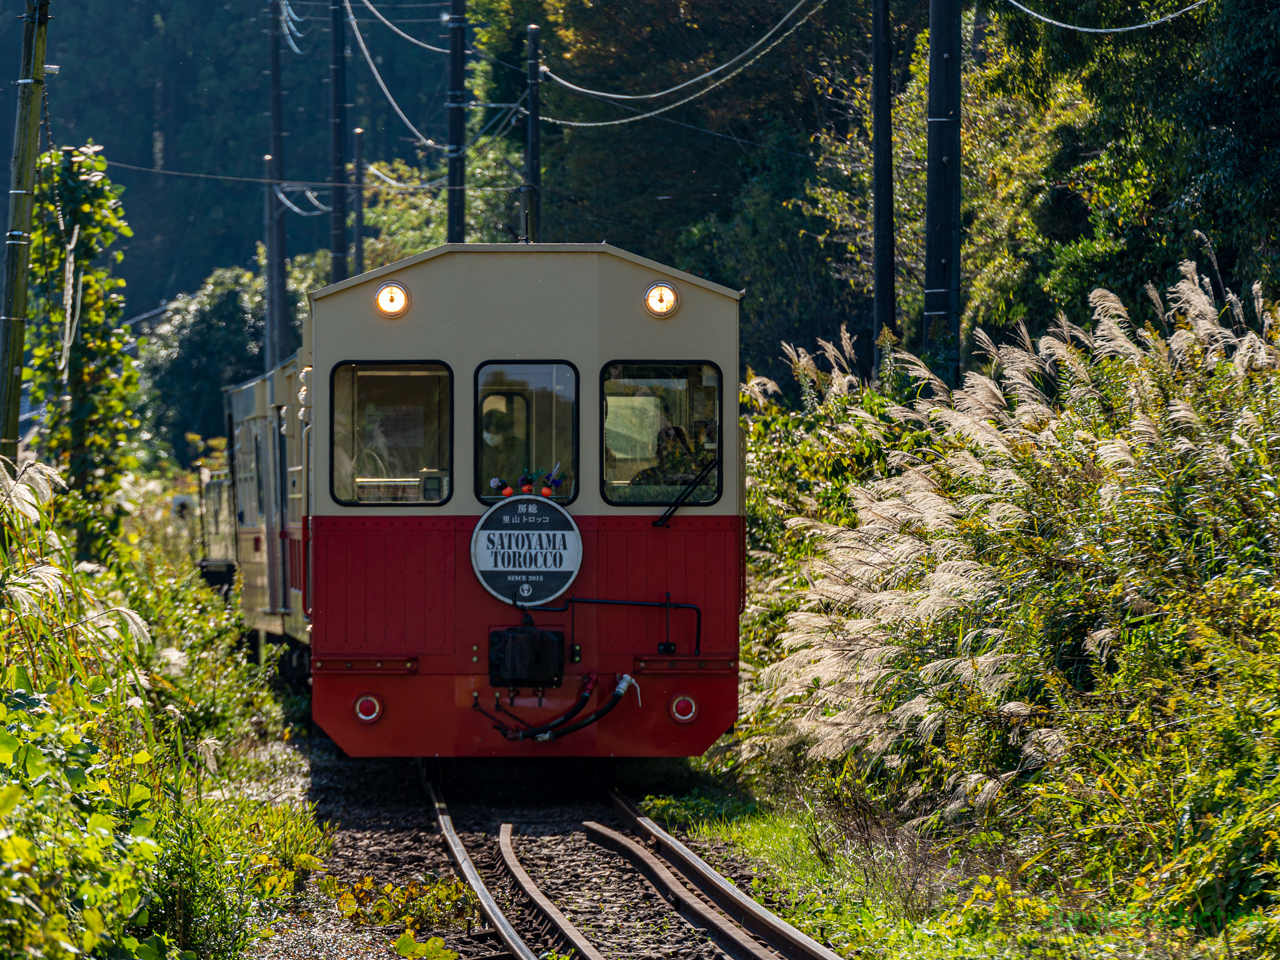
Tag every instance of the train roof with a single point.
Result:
(531, 249)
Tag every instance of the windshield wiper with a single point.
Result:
(688, 491)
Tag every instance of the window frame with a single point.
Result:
(475, 427)
(720, 434)
(333, 376)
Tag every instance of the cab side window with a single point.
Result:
(661, 432)
(526, 430)
(392, 433)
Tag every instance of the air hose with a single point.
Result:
(588, 687)
(589, 682)
(623, 686)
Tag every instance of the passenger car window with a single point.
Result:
(661, 430)
(526, 430)
(392, 433)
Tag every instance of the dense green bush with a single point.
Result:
(113, 842)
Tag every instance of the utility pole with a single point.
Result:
(942, 186)
(533, 145)
(359, 215)
(338, 125)
(882, 170)
(269, 205)
(17, 246)
(457, 230)
(279, 333)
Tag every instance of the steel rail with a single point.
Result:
(530, 889)
(729, 937)
(775, 931)
(488, 906)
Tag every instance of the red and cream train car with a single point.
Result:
(498, 494)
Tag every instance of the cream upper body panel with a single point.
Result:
(475, 303)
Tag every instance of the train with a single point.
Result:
(494, 505)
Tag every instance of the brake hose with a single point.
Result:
(623, 686)
(588, 688)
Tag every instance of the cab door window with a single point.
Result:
(526, 430)
(661, 432)
(392, 433)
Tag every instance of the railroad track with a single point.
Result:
(600, 893)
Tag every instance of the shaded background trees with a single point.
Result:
(1089, 160)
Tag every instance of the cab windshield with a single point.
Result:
(526, 430)
(661, 433)
(391, 433)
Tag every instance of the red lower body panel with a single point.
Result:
(399, 614)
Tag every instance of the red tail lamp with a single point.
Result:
(368, 708)
(683, 708)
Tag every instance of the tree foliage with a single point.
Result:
(412, 222)
(713, 200)
(80, 369)
(211, 339)
(1025, 200)
(178, 85)
(1191, 106)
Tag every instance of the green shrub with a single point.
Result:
(111, 842)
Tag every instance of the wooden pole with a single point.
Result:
(17, 247)
(359, 199)
(279, 331)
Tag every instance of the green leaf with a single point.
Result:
(8, 743)
(35, 761)
(9, 798)
(407, 946)
(138, 795)
(22, 680)
(436, 950)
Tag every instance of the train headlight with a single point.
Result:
(683, 708)
(392, 300)
(368, 708)
(661, 300)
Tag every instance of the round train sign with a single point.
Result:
(526, 550)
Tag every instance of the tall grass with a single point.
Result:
(1047, 638)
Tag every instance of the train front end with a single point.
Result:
(524, 530)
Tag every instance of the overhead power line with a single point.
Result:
(283, 183)
(705, 90)
(1139, 26)
(355, 27)
(688, 83)
(395, 183)
(413, 40)
(426, 46)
